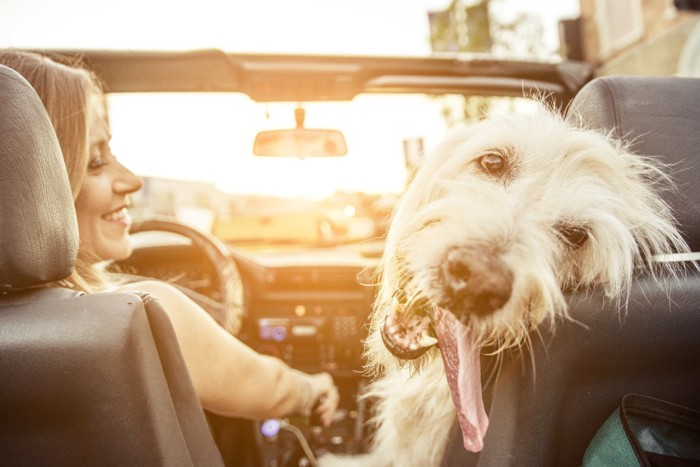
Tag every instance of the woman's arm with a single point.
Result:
(230, 378)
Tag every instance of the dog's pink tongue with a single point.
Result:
(463, 369)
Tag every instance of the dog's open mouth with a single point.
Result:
(408, 333)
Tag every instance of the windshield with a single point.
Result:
(195, 154)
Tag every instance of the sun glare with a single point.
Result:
(209, 138)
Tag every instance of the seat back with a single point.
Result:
(85, 379)
(659, 117)
(550, 399)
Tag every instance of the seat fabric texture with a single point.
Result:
(39, 234)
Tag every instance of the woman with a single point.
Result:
(238, 382)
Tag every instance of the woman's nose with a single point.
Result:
(126, 181)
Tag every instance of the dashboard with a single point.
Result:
(308, 308)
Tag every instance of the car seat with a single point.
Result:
(548, 401)
(84, 379)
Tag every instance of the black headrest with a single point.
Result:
(660, 117)
(38, 228)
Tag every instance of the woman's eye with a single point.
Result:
(96, 161)
(493, 164)
(574, 236)
(99, 155)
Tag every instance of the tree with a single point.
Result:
(468, 27)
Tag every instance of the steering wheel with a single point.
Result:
(229, 310)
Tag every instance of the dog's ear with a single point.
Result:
(649, 216)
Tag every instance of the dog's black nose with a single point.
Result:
(475, 282)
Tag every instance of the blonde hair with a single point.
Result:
(66, 88)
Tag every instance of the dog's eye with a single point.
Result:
(494, 164)
(574, 236)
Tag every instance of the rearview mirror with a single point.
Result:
(300, 142)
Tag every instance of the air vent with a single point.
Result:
(317, 278)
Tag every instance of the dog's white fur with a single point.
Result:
(557, 174)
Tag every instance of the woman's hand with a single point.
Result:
(324, 397)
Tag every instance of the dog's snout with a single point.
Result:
(458, 270)
(476, 282)
(491, 300)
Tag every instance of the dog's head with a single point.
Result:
(499, 221)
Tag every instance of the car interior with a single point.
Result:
(99, 379)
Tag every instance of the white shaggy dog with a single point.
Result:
(499, 220)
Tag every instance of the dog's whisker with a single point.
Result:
(493, 370)
(415, 298)
(528, 348)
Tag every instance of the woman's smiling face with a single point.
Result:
(101, 205)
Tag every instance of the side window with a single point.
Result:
(620, 23)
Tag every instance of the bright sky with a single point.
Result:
(315, 26)
(374, 27)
